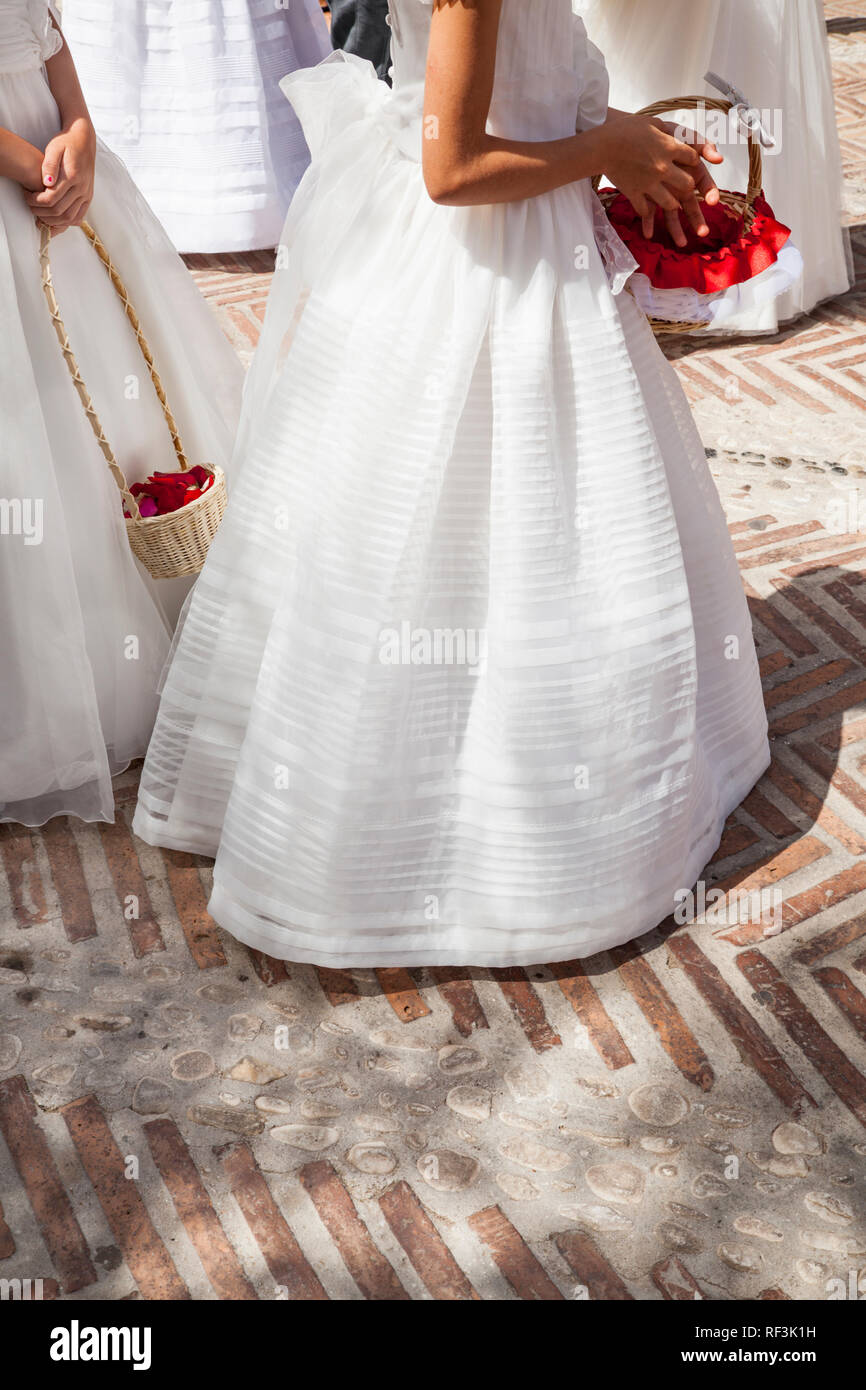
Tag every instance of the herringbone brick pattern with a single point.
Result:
(252, 1129)
(684, 1118)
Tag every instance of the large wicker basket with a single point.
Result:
(741, 205)
(168, 546)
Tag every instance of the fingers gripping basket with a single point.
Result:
(740, 206)
(174, 544)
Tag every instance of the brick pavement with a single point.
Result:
(686, 1117)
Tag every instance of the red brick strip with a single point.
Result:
(433, 1262)
(772, 870)
(195, 1209)
(806, 905)
(831, 941)
(458, 991)
(854, 731)
(601, 1029)
(675, 1281)
(24, 878)
(586, 1260)
(776, 661)
(755, 1048)
(516, 1261)
(149, 1262)
(735, 840)
(837, 889)
(814, 807)
(269, 970)
(190, 903)
(288, 1264)
(42, 1183)
(660, 1011)
(338, 987)
(839, 560)
(752, 527)
(525, 1004)
(373, 1274)
(840, 591)
(7, 1240)
(817, 547)
(769, 816)
(839, 1073)
(790, 636)
(815, 679)
(820, 619)
(402, 994)
(846, 996)
(846, 698)
(825, 764)
(751, 539)
(69, 881)
(119, 850)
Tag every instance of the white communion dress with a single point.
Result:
(187, 93)
(776, 53)
(84, 632)
(468, 677)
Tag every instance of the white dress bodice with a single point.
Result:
(27, 36)
(549, 78)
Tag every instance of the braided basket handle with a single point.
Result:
(74, 371)
(756, 161)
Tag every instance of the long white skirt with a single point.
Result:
(776, 52)
(468, 677)
(186, 92)
(84, 632)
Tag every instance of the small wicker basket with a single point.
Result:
(741, 205)
(168, 546)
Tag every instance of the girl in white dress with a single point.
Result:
(186, 92)
(468, 676)
(84, 632)
(776, 53)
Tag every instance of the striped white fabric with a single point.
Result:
(468, 677)
(187, 93)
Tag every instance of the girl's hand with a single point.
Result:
(655, 169)
(67, 176)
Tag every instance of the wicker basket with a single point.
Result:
(739, 204)
(168, 546)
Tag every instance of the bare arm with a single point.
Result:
(464, 165)
(68, 162)
(19, 160)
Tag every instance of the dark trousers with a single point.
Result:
(360, 26)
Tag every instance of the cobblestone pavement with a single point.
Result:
(682, 1118)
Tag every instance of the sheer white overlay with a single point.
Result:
(468, 677)
(83, 631)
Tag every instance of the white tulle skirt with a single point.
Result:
(468, 677)
(84, 632)
(775, 52)
(186, 92)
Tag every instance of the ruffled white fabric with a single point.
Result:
(776, 53)
(27, 36)
(187, 95)
(468, 677)
(734, 308)
(83, 631)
